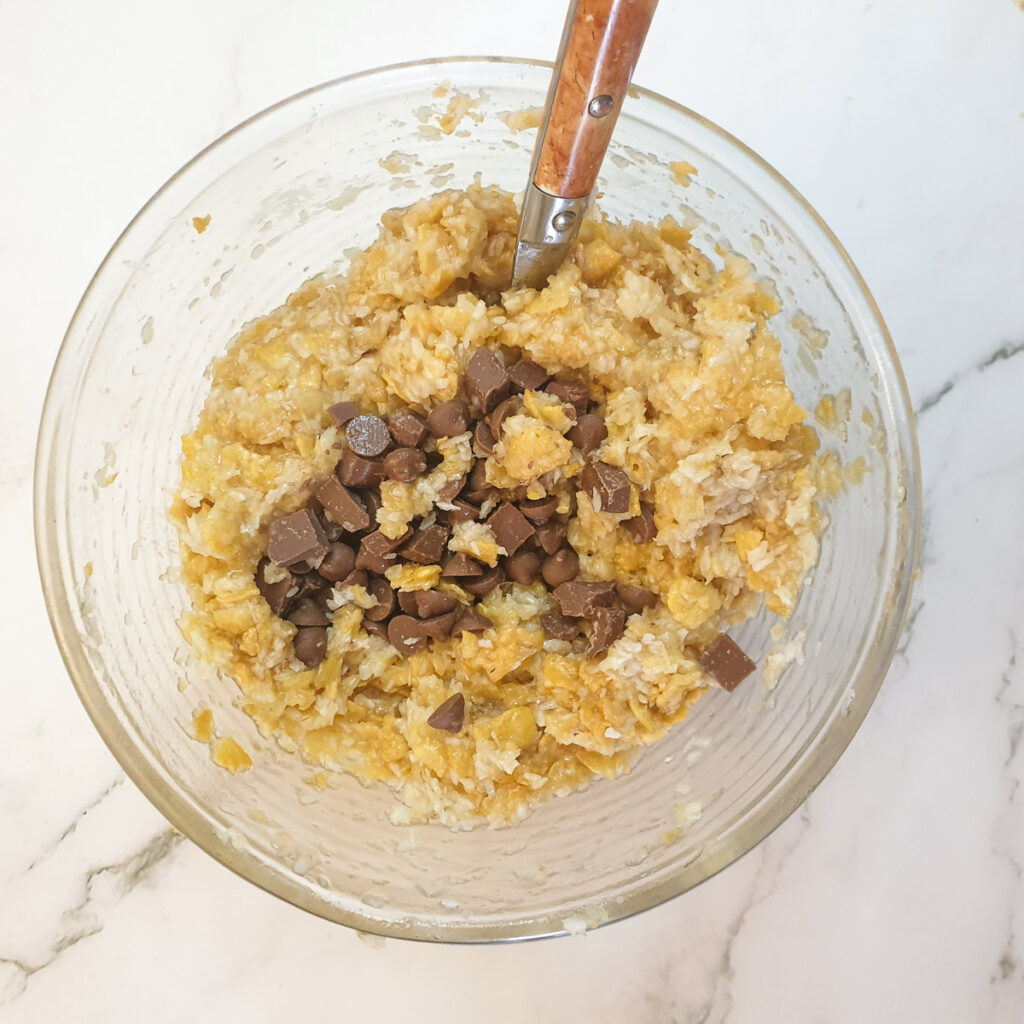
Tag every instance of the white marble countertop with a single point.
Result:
(896, 893)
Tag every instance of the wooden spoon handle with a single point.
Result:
(600, 48)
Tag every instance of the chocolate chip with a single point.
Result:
(407, 602)
(450, 715)
(375, 628)
(486, 380)
(332, 530)
(371, 499)
(342, 412)
(450, 491)
(502, 412)
(278, 595)
(483, 585)
(483, 438)
(343, 506)
(439, 627)
(551, 536)
(589, 433)
(380, 589)
(376, 553)
(528, 376)
(407, 428)
(295, 538)
(405, 464)
(635, 599)
(356, 578)
(310, 585)
(477, 490)
(461, 565)
(449, 419)
(523, 567)
(430, 603)
(641, 528)
(539, 510)
(406, 635)
(355, 471)
(426, 546)
(608, 486)
(471, 621)
(368, 436)
(574, 392)
(562, 566)
(607, 626)
(559, 627)
(511, 528)
(579, 599)
(339, 561)
(308, 612)
(462, 512)
(723, 659)
(310, 645)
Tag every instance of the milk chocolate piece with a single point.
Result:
(426, 546)
(356, 578)
(296, 537)
(355, 471)
(607, 626)
(483, 585)
(477, 490)
(580, 599)
(308, 612)
(528, 376)
(407, 602)
(278, 595)
(559, 627)
(502, 411)
(461, 565)
(343, 506)
(523, 567)
(589, 433)
(486, 380)
(407, 429)
(511, 528)
(339, 561)
(368, 436)
(463, 512)
(471, 621)
(539, 510)
(342, 412)
(380, 589)
(405, 464)
(450, 715)
(439, 627)
(450, 491)
(574, 392)
(310, 645)
(608, 486)
(430, 603)
(377, 553)
(483, 438)
(375, 628)
(449, 419)
(406, 635)
(635, 599)
(725, 662)
(559, 568)
(641, 528)
(551, 536)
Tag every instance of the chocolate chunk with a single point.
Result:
(528, 376)
(355, 471)
(471, 621)
(463, 512)
(377, 552)
(539, 510)
(356, 578)
(407, 429)
(608, 487)
(724, 660)
(559, 627)
(342, 412)
(426, 546)
(368, 436)
(511, 528)
(635, 599)
(574, 392)
(450, 491)
(295, 538)
(483, 585)
(278, 595)
(375, 628)
(641, 528)
(502, 412)
(477, 489)
(310, 645)
(607, 626)
(579, 599)
(372, 501)
(430, 603)
(406, 635)
(562, 566)
(589, 433)
(551, 536)
(483, 438)
(486, 380)
(405, 464)
(523, 567)
(343, 506)
(449, 419)
(407, 602)
(339, 561)
(308, 612)
(461, 565)
(450, 715)
(380, 589)
(439, 627)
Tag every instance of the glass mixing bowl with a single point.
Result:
(290, 193)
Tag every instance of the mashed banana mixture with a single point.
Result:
(681, 362)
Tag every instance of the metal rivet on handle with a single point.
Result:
(563, 221)
(601, 105)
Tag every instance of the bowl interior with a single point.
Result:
(291, 193)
